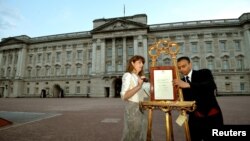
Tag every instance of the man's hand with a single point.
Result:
(181, 84)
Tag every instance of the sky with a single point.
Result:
(36, 18)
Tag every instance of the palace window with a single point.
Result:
(208, 46)
(196, 63)
(57, 71)
(237, 45)
(29, 72)
(108, 66)
(194, 47)
(69, 56)
(39, 57)
(78, 89)
(68, 70)
(225, 63)
(240, 62)
(222, 45)
(89, 68)
(130, 52)
(36, 90)
(228, 86)
(47, 71)
(10, 59)
(242, 86)
(8, 72)
(119, 66)
(79, 70)
(48, 57)
(182, 48)
(16, 58)
(210, 63)
(38, 72)
(119, 51)
(58, 56)
(79, 55)
(67, 90)
(109, 53)
(30, 59)
(4, 60)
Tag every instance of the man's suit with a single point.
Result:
(208, 114)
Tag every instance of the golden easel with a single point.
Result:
(172, 49)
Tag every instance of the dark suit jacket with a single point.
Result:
(202, 90)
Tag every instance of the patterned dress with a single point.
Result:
(135, 121)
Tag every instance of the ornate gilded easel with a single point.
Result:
(155, 50)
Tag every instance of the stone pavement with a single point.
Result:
(92, 119)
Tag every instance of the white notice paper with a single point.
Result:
(163, 86)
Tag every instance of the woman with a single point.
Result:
(134, 90)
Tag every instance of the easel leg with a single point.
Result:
(169, 132)
(149, 137)
(171, 126)
(186, 126)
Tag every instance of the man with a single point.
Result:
(199, 86)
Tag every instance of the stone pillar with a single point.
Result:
(113, 55)
(246, 44)
(135, 45)
(98, 57)
(21, 63)
(6, 64)
(103, 63)
(124, 54)
(1, 62)
(12, 75)
(145, 52)
(94, 57)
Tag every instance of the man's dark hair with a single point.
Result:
(183, 58)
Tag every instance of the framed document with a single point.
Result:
(161, 83)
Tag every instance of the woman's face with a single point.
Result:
(138, 66)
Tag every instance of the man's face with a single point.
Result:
(184, 67)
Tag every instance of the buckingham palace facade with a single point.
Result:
(91, 63)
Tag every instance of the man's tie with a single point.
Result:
(187, 79)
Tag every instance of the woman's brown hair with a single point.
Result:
(133, 59)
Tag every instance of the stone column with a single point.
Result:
(246, 45)
(21, 63)
(12, 65)
(135, 45)
(1, 62)
(124, 54)
(98, 57)
(6, 64)
(103, 64)
(94, 57)
(113, 55)
(145, 51)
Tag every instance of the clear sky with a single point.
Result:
(48, 17)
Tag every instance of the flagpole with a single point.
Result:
(124, 10)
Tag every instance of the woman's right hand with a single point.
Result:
(140, 82)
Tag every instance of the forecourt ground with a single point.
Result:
(92, 119)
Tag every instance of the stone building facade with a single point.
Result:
(91, 63)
